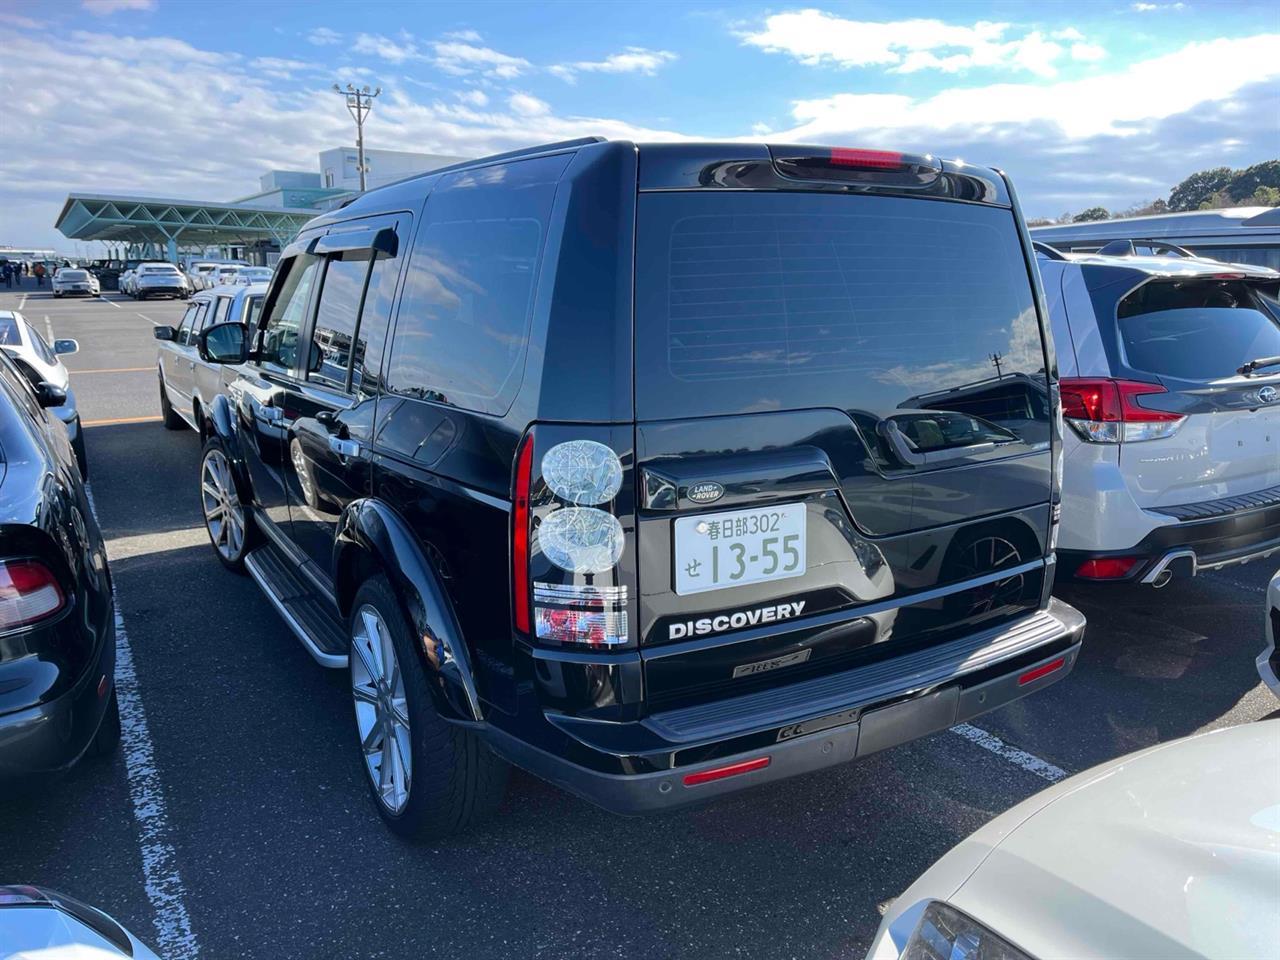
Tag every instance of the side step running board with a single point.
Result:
(306, 614)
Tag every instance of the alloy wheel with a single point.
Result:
(223, 514)
(382, 713)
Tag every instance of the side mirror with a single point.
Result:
(162, 333)
(224, 343)
(63, 347)
(50, 395)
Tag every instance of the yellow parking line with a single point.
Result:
(116, 370)
(104, 423)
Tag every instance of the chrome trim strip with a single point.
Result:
(320, 657)
(1169, 558)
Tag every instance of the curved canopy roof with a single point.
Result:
(184, 222)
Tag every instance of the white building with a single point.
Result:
(340, 168)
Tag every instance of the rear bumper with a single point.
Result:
(1189, 547)
(1269, 659)
(806, 727)
(54, 735)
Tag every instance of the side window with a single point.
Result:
(366, 375)
(252, 306)
(464, 317)
(192, 320)
(336, 314)
(279, 344)
(220, 308)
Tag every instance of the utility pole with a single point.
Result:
(996, 360)
(359, 103)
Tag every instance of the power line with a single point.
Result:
(359, 103)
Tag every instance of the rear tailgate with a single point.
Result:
(842, 415)
(1193, 336)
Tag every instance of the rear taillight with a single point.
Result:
(567, 543)
(29, 592)
(520, 536)
(1106, 568)
(1102, 410)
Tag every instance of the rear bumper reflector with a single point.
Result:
(1053, 666)
(732, 770)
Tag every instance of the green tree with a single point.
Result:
(1192, 192)
(1265, 197)
(1245, 183)
(1093, 213)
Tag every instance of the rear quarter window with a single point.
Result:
(462, 327)
(752, 302)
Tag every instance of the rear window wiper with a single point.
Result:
(1248, 369)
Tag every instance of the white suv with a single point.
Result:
(1170, 379)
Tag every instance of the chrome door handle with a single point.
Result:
(344, 448)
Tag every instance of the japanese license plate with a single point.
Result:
(718, 550)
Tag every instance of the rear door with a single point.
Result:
(1191, 336)
(179, 357)
(842, 405)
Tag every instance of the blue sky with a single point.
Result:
(1084, 102)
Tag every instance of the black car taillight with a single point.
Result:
(568, 541)
(29, 593)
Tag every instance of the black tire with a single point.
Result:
(171, 419)
(107, 739)
(82, 456)
(232, 559)
(464, 780)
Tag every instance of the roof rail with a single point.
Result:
(1051, 253)
(1128, 247)
(515, 154)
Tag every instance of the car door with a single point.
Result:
(263, 390)
(336, 397)
(179, 358)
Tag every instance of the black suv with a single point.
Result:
(660, 471)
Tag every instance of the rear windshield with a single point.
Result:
(1199, 330)
(75, 275)
(765, 301)
(9, 335)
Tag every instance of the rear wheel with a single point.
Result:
(228, 521)
(428, 777)
(171, 419)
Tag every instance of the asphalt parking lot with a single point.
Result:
(235, 823)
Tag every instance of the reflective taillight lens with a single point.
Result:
(595, 616)
(1102, 410)
(520, 536)
(29, 592)
(1106, 568)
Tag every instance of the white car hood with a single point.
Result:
(43, 933)
(1169, 853)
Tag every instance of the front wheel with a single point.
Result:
(228, 522)
(170, 416)
(428, 777)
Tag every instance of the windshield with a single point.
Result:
(1195, 330)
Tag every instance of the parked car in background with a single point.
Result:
(1170, 381)
(159, 280)
(57, 625)
(75, 282)
(188, 383)
(595, 368)
(38, 362)
(251, 275)
(36, 922)
(124, 282)
(202, 273)
(227, 273)
(1167, 852)
(1269, 660)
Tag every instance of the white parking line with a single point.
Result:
(1251, 587)
(48, 328)
(23, 302)
(174, 936)
(1019, 758)
(112, 302)
(154, 323)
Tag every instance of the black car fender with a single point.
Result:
(371, 535)
(221, 417)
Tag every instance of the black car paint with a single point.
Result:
(429, 499)
(57, 675)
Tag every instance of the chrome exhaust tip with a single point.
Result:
(1162, 578)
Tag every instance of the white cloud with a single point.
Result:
(466, 36)
(459, 58)
(631, 60)
(476, 98)
(324, 37)
(1087, 52)
(815, 38)
(280, 68)
(386, 48)
(17, 20)
(1114, 103)
(102, 8)
(1152, 7)
(528, 106)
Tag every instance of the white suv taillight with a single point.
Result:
(29, 592)
(566, 545)
(1107, 411)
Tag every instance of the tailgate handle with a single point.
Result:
(744, 477)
